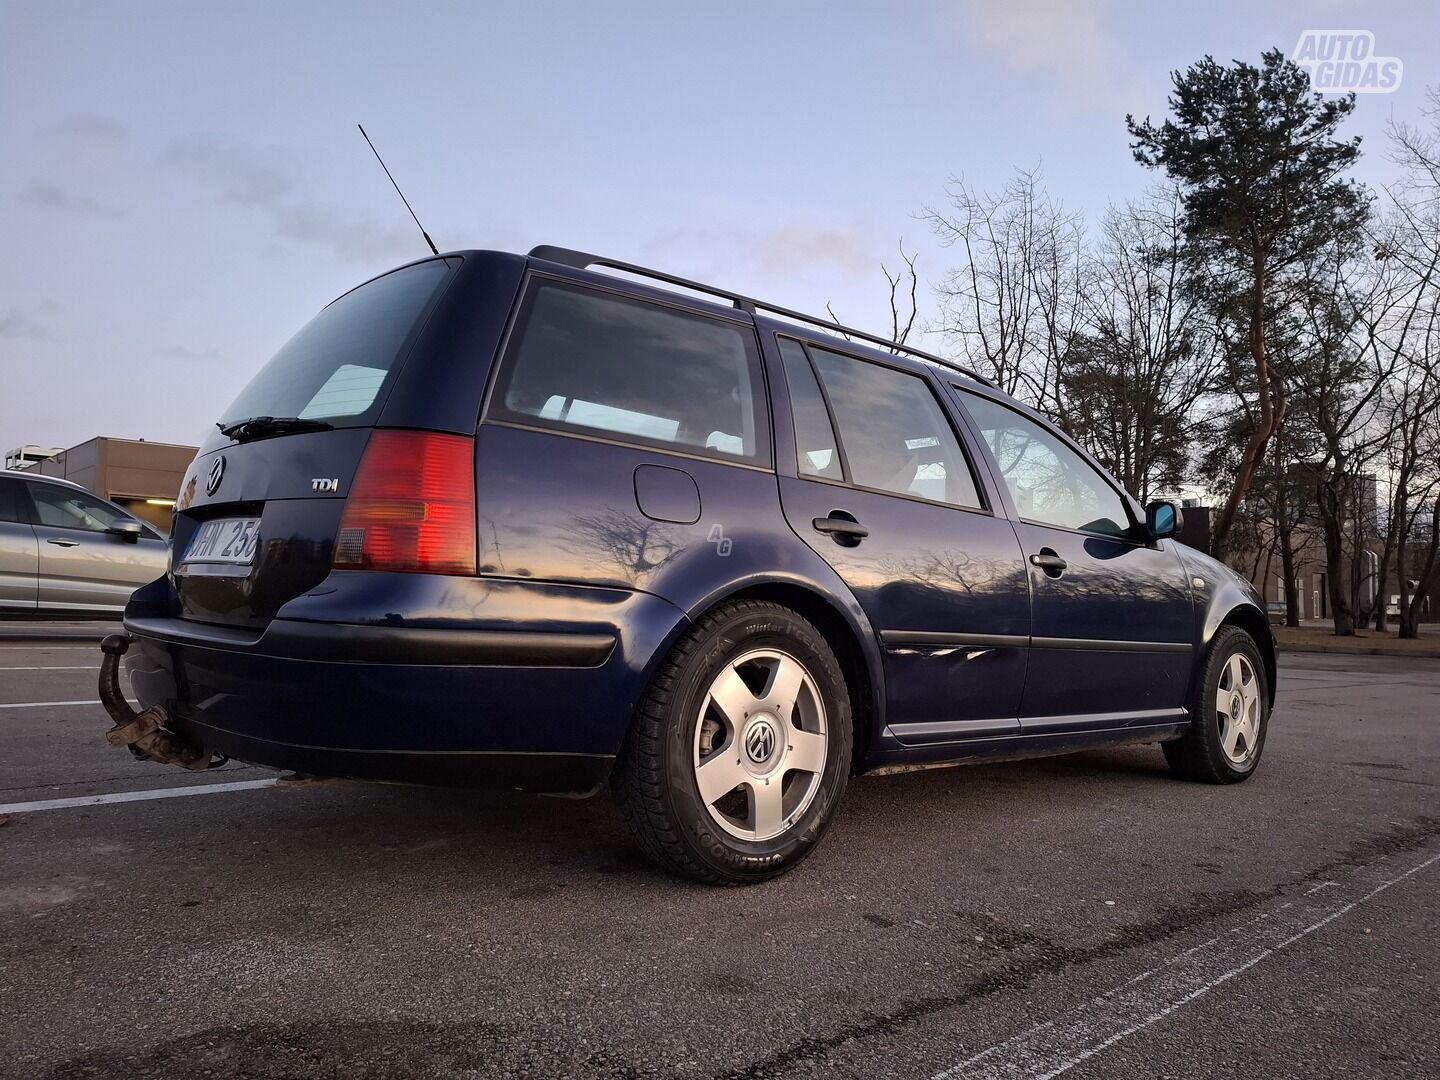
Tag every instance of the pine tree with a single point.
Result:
(1260, 168)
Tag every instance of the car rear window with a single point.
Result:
(335, 368)
(603, 364)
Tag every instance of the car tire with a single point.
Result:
(1230, 704)
(752, 693)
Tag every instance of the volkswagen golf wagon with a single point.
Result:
(558, 523)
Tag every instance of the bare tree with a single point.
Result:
(1012, 306)
(1412, 456)
(1413, 242)
(907, 282)
(1416, 149)
(1146, 355)
(1262, 169)
(1338, 365)
(904, 306)
(1408, 396)
(1278, 499)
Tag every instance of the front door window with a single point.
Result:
(63, 508)
(1050, 483)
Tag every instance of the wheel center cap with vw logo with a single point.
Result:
(760, 741)
(217, 473)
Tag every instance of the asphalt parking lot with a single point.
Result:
(1087, 913)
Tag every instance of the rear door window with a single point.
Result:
(894, 433)
(602, 364)
(335, 368)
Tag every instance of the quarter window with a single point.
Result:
(815, 449)
(1050, 483)
(894, 433)
(595, 362)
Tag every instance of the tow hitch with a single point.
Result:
(144, 733)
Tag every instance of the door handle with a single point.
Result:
(58, 542)
(845, 530)
(1050, 562)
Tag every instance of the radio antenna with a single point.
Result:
(396, 186)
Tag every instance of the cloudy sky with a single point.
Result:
(183, 185)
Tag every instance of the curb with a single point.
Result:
(1340, 650)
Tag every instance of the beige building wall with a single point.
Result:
(143, 477)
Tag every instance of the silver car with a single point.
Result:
(63, 549)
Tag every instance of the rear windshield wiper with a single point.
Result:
(257, 427)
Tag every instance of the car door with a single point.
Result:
(19, 556)
(878, 484)
(1111, 612)
(82, 565)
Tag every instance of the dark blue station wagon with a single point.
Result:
(554, 522)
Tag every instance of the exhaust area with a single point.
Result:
(144, 734)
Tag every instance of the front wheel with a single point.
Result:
(1231, 708)
(740, 749)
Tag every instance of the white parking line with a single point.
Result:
(43, 704)
(70, 667)
(136, 796)
(1049, 1049)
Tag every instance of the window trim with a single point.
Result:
(492, 412)
(628, 443)
(985, 507)
(1127, 537)
(908, 496)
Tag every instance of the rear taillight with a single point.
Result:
(412, 506)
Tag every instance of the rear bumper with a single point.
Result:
(551, 773)
(358, 643)
(536, 696)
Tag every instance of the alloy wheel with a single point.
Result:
(1237, 709)
(760, 745)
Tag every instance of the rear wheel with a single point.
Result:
(1231, 709)
(740, 749)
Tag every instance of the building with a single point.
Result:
(1195, 524)
(22, 457)
(1262, 565)
(143, 477)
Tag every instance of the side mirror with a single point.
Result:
(1162, 519)
(127, 530)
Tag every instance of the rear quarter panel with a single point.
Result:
(554, 507)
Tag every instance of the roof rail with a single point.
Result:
(26, 474)
(581, 260)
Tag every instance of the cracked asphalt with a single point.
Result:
(364, 931)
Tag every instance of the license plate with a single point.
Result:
(228, 541)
